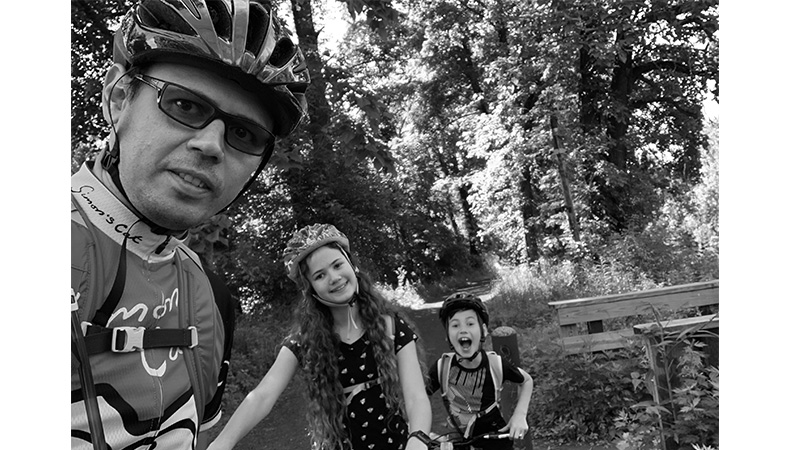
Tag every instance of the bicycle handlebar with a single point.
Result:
(437, 444)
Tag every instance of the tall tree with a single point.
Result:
(643, 71)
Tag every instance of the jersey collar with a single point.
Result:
(106, 212)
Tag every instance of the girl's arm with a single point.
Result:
(518, 423)
(418, 407)
(259, 401)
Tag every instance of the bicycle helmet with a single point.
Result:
(460, 302)
(240, 39)
(306, 240)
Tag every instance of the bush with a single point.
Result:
(576, 397)
(689, 416)
(521, 295)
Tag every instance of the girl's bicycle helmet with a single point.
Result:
(308, 239)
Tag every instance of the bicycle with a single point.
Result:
(450, 440)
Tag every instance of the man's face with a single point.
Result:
(175, 175)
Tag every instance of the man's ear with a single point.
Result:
(114, 93)
(485, 329)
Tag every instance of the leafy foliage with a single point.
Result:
(577, 398)
(692, 407)
(429, 141)
(93, 23)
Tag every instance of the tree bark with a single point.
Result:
(312, 179)
(530, 214)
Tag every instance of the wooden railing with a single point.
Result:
(581, 320)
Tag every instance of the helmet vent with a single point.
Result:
(221, 18)
(155, 14)
(257, 28)
(283, 52)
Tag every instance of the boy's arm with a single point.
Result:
(518, 423)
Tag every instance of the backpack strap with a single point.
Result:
(129, 339)
(353, 390)
(443, 369)
(227, 308)
(496, 369)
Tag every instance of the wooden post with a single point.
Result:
(562, 174)
(504, 343)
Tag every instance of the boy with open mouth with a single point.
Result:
(471, 378)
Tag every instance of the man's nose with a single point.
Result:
(210, 139)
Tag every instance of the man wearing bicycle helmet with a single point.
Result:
(471, 378)
(197, 95)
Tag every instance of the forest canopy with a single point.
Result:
(444, 134)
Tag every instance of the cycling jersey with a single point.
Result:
(471, 396)
(153, 397)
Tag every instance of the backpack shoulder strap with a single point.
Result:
(227, 308)
(496, 369)
(443, 369)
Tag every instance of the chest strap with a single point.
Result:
(353, 390)
(128, 339)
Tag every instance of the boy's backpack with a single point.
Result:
(496, 371)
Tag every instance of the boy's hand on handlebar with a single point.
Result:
(517, 427)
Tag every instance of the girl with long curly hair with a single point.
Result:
(357, 356)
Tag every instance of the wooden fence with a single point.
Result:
(583, 322)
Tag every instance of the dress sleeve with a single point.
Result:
(292, 342)
(510, 372)
(403, 334)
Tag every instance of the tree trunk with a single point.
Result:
(530, 214)
(470, 224)
(621, 87)
(562, 175)
(311, 180)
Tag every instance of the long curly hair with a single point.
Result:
(313, 324)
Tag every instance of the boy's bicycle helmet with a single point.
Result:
(306, 240)
(460, 302)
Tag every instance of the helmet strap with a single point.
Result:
(351, 322)
(470, 358)
(355, 269)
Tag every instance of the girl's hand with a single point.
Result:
(517, 426)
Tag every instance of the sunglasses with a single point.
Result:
(195, 111)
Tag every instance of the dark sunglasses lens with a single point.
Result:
(247, 137)
(185, 107)
(193, 111)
